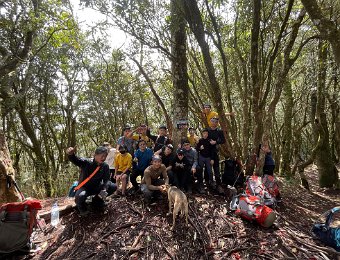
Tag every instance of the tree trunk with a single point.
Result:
(285, 169)
(194, 19)
(7, 173)
(328, 175)
(327, 28)
(256, 86)
(179, 74)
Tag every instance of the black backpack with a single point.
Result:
(232, 174)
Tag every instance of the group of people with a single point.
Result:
(154, 159)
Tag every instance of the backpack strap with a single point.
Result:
(87, 179)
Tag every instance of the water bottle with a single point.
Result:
(55, 214)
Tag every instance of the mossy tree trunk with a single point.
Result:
(328, 175)
(8, 192)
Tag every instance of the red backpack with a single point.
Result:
(252, 208)
(17, 221)
(271, 185)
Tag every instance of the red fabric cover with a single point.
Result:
(20, 206)
(265, 212)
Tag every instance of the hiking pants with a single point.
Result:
(216, 167)
(81, 196)
(148, 194)
(205, 162)
(182, 178)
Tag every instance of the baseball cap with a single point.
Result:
(180, 151)
(207, 106)
(170, 146)
(127, 128)
(156, 158)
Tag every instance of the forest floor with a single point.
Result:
(128, 229)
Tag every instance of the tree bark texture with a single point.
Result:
(8, 193)
(328, 174)
(179, 72)
(327, 28)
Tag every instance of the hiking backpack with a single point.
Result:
(328, 235)
(17, 221)
(271, 185)
(255, 187)
(252, 208)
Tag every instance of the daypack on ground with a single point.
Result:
(255, 187)
(327, 234)
(17, 221)
(271, 185)
(252, 208)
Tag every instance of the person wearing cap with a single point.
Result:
(140, 134)
(159, 140)
(141, 161)
(205, 153)
(167, 155)
(99, 184)
(126, 139)
(216, 137)
(152, 185)
(123, 163)
(191, 154)
(192, 137)
(181, 170)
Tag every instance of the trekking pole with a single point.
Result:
(17, 187)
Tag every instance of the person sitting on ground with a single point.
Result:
(152, 185)
(97, 174)
(205, 153)
(181, 170)
(141, 161)
(126, 139)
(167, 155)
(159, 140)
(110, 159)
(123, 163)
(191, 154)
(140, 134)
(192, 137)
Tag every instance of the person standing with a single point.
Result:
(216, 137)
(159, 140)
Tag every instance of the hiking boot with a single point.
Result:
(84, 213)
(189, 191)
(212, 185)
(220, 190)
(201, 189)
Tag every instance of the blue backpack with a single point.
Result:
(72, 192)
(330, 236)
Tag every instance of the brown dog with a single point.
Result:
(177, 198)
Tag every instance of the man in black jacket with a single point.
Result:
(99, 184)
(159, 140)
(216, 137)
